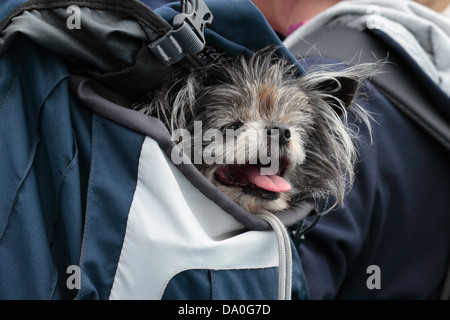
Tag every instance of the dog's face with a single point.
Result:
(264, 131)
(268, 137)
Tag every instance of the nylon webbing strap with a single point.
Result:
(176, 44)
(187, 35)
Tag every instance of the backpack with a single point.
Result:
(91, 205)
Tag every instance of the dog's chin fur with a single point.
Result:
(253, 203)
(263, 91)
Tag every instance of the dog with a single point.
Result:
(260, 107)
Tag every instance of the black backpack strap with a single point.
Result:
(395, 81)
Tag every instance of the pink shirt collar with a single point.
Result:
(295, 26)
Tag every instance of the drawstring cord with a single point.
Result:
(284, 254)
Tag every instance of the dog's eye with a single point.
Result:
(232, 126)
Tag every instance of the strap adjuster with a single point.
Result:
(187, 35)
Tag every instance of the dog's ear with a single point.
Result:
(341, 87)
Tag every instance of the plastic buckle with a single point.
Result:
(197, 14)
(187, 35)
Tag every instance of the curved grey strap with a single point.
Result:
(284, 254)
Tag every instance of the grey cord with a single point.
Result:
(284, 254)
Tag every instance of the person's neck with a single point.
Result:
(284, 13)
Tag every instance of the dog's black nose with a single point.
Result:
(284, 134)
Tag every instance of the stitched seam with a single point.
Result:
(16, 76)
(88, 203)
(62, 180)
(29, 164)
(234, 284)
(213, 287)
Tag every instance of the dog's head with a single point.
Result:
(268, 137)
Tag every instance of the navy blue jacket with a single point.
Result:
(396, 217)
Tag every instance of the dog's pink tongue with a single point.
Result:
(272, 183)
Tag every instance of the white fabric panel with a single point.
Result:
(173, 227)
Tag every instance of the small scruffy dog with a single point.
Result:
(299, 122)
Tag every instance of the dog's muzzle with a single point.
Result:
(252, 181)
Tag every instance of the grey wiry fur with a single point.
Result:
(250, 95)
